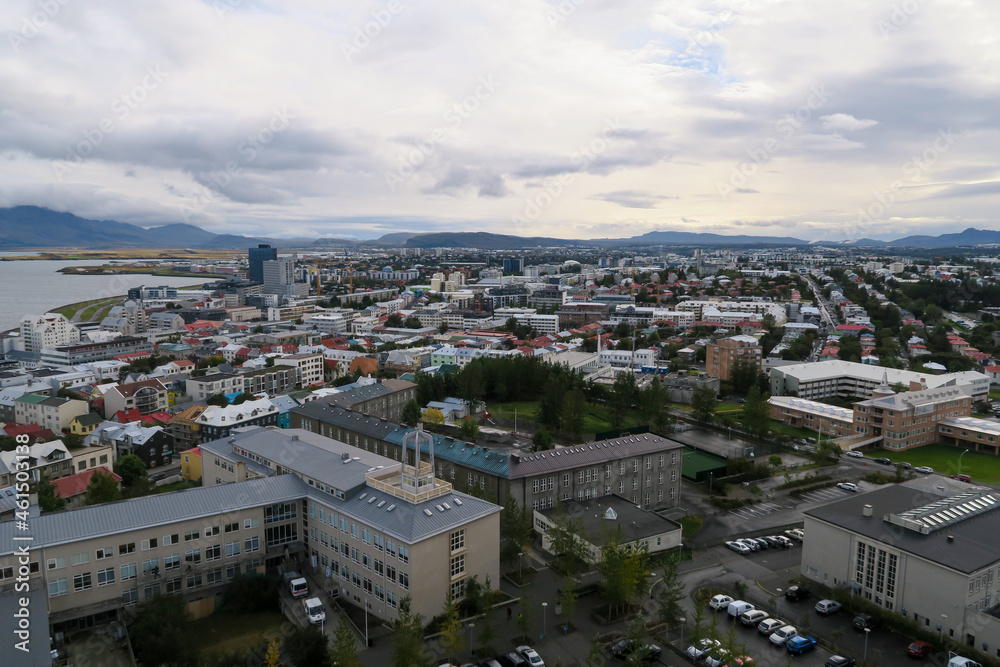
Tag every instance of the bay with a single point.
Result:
(33, 287)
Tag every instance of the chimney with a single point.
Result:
(866, 510)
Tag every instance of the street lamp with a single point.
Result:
(960, 461)
(545, 606)
(682, 621)
(867, 632)
(777, 603)
(472, 638)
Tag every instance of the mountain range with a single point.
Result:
(29, 227)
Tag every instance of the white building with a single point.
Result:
(45, 331)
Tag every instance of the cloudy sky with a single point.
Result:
(576, 119)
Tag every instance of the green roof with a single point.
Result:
(31, 398)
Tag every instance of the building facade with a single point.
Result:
(720, 357)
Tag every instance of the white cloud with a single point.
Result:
(845, 121)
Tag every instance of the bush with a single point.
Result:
(805, 481)
(799, 492)
(251, 593)
(730, 503)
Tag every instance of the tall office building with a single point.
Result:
(257, 256)
(512, 265)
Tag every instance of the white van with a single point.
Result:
(314, 610)
(299, 587)
(958, 661)
(737, 607)
(782, 635)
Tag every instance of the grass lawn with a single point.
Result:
(175, 486)
(226, 632)
(597, 417)
(729, 407)
(995, 395)
(944, 459)
(690, 525)
(792, 431)
(88, 314)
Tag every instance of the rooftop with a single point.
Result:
(604, 514)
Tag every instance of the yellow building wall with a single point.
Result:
(191, 466)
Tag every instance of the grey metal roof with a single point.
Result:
(40, 646)
(357, 395)
(343, 418)
(636, 523)
(602, 451)
(150, 511)
(976, 540)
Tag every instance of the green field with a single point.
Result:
(224, 632)
(944, 459)
(792, 431)
(597, 417)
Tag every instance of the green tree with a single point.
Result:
(574, 409)
(309, 647)
(432, 416)
(623, 397)
(515, 531)
(243, 397)
(524, 614)
(704, 403)
(670, 594)
(757, 412)
(411, 413)
(395, 321)
(217, 400)
(598, 656)
(774, 461)
(568, 596)
(72, 440)
(102, 489)
(566, 542)
(48, 498)
(625, 568)
(743, 375)
(408, 638)
(413, 322)
(161, 632)
(468, 428)
(132, 470)
(451, 629)
(344, 651)
(542, 440)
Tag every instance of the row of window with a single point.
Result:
(348, 527)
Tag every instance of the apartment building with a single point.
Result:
(978, 435)
(152, 444)
(644, 468)
(49, 412)
(380, 398)
(82, 353)
(51, 459)
(184, 428)
(825, 419)
(578, 314)
(720, 357)
(38, 332)
(146, 396)
(273, 381)
(909, 419)
(218, 422)
(308, 368)
(128, 319)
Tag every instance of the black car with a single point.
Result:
(840, 661)
(647, 652)
(865, 622)
(884, 461)
(796, 593)
(512, 659)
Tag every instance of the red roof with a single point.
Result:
(184, 363)
(133, 356)
(74, 485)
(993, 369)
(161, 417)
(128, 416)
(33, 431)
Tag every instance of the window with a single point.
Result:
(55, 563)
(194, 580)
(149, 544)
(232, 527)
(232, 570)
(172, 562)
(368, 585)
(377, 540)
(379, 567)
(283, 534)
(232, 549)
(457, 565)
(82, 581)
(458, 540)
(193, 556)
(404, 553)
(106, 576)
(126, 548)
(213, 552)
(458, 589)
(192, 535)
(213, 576)
(102, 554)
(127, 571)
(249, 523)
(130, 596)
(151, 591)
(211, 531)
(171, 539)
(279, 512)
(390, 547)
(404, 580)
(174, 585)
(354, 530)
(366, 536)
(390, 573)
(251, 544)
(57, 587)
(151, 565)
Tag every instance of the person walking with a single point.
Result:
(508, 614)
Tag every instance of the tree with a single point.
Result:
(567, 596)
(671, 594)
(413, 322)
(432, 416)
(161, 632)
(411, 413)
(132, 470)
(625, 568)
(443, 328)
(48, 497)
(273, 657)
(542, 440)
(566, 542)
(451, 629)
(623, 396)
(469, 429)
(515, 531)
(408, 638)
(756, 412)
(308, 647)
(395, 321)
(344, 651)
(598, 656)
(742, 375)
(217, 400)
(487, 631)
(243, 397)
(574, 409)
(72, 440)
(704, 403)
(774, 461)
(102, 489)
(524, 614)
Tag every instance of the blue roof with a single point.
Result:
(458, 451)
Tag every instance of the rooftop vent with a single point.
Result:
(390, 508)
(866, 510)
(458, 501)
(428, 512)
(951, 538)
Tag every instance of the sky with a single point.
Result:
(570, 118)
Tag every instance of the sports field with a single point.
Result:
(944, 459)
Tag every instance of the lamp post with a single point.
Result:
(777, 603)
(867, 632)
(545, 606)
(682, 622)
(472, 638)
(520, 567)
(960, 460)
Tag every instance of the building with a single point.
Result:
(256, 258)
(279, 278)
(909, 419)
(81, 353)
(572, 315)
(645, 468)
(600, 516)
(218, 422)
(147, 396)
(73, 488)
(824, 419)
(273, 381)
(384, 399)
(152, 444)
(308, 368)
(513, 265)
(85, 424)
(51, 459)
(128, 319)
(38, 332)
(720, 357)
(53, 413)
(978, 435)
(184, 428)
(928, 549)
(191, 464)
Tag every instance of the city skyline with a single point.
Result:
(570, 120)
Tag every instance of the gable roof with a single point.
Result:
(74, 485)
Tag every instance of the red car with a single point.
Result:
(919, 649)
(962, 478)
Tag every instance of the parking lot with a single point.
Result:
(824, 495)
(756, 511)
(766, 654)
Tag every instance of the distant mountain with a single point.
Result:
(968, 237)
(398, 238)
(698, 238)
(485, 240)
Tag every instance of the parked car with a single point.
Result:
(739, 547)
(855, 455)
(760, 542)
(919, 649)
(511, 659)
(489, 662)
(700, 649)
(769, 625)
(752, 617)
(782, 540)
(848, 486)
(796, 593)
(839, 661)
(720, 602)
(962, 478)
(646, 652)
(738, 607)
(865, 621)
(531, 655)
(884, 461)
(783, 634)
(906, 466)
(796, 534)
(924, 469)
(827, 607)
(749, 544)
(717, 658)
(741, 661)
(800, 644)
